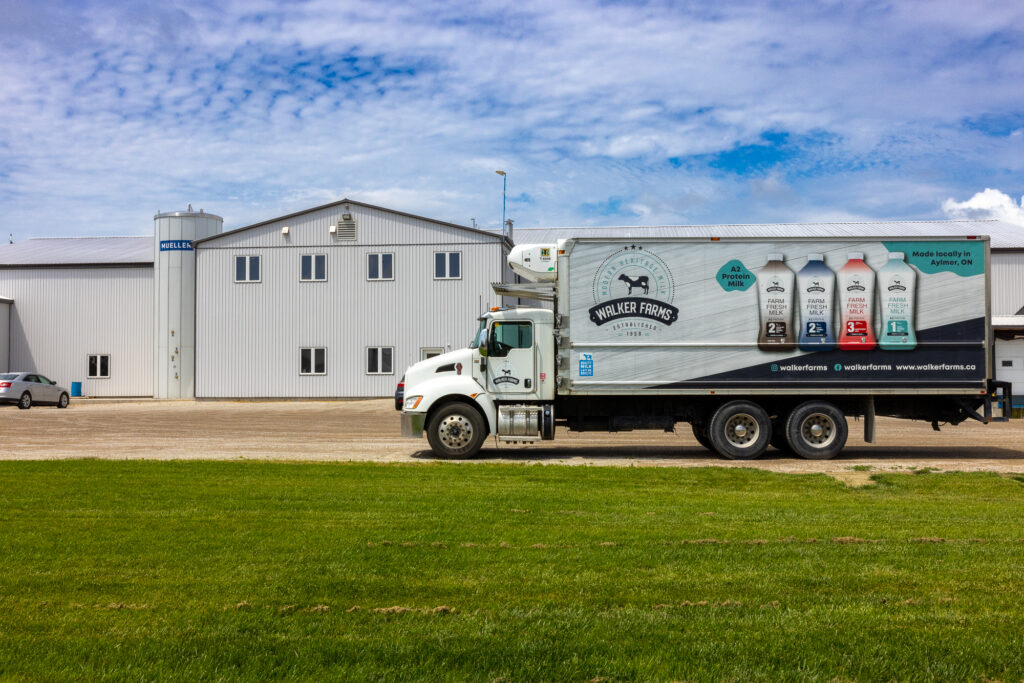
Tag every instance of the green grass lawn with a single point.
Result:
(189, 570)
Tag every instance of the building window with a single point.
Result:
(314, 267)
(379, 360)
(313, 361)
(1007, 363)
(99, 366)
(430, 352)
(247, 269)
(380, 267)
(447, 265)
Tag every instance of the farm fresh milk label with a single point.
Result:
(633, 293)
(775, 297)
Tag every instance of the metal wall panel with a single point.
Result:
(1007, 282)
(5, 335)
(60, 315)
(248, 335)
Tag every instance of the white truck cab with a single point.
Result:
(503, 384)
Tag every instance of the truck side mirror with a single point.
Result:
(482, 342)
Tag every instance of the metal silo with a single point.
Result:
(174, 275)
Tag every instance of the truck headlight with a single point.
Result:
(412, 402)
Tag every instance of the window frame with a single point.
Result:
(380, 360)
(380, 266)
(312, 267)
(448, 265)
(248, 268)
(99, 365)
(312, 361)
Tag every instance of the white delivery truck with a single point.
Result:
(753, 341)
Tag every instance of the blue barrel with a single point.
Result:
(76, 389)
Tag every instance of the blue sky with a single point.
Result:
(603, 113)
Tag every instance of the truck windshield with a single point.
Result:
(478, 336)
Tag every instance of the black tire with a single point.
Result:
(63, 401)
(817, 430)
(701, 434)
(456, 431)
(740, 430)
(25, 402)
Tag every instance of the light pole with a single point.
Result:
(504, 187)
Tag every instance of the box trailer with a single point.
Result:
(753, 341)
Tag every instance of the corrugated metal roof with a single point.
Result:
(1004, 235)
(77, 251)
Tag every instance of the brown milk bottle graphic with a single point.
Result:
(775, 300)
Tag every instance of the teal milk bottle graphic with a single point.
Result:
(775, 296)
(816, 284)
(896, 284)
(856, 299)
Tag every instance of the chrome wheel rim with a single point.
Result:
(742, 430)
(818, 430)
(26, 400)
(455, 432)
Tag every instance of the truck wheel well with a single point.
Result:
(459, 398)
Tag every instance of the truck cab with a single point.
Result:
(502, 384)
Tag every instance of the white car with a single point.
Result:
(27, 388)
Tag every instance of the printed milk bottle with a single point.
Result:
(816, 283)
(856, 296)
(896, 283)
(775, 297)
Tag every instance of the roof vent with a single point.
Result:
(346, 227)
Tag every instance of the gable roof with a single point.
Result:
(353, 202)
(78, 251)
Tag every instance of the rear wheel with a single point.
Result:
(63, 401)
(25, 402)
(456, 430)
(817, 430)
(740, 430)
(701, 434)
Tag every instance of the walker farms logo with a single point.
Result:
(633, 291)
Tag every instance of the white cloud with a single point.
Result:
(257, 106)
(988, 203)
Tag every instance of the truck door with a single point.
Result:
(510, 363)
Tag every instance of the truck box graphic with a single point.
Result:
(653, 316)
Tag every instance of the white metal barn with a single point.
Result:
(81, 310)
(332, 302)
(336, 301)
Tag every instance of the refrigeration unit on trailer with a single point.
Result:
(752, 341)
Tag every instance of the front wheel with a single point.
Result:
(456, 431)
(817, 430)
(26, 401)
(63, 401)
(740, 430)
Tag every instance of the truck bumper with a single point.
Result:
(412, 424)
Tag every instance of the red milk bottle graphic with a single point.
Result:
(856, 296)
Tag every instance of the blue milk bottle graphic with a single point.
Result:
(816, 284)
(896, 284)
